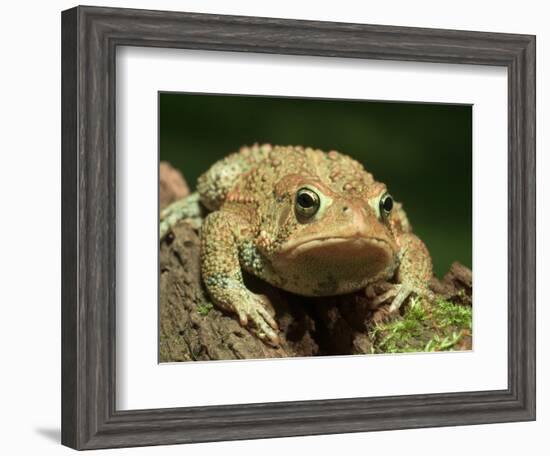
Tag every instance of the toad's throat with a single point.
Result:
(334, 265)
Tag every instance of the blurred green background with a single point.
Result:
(423, 152)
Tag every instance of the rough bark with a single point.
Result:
(456, 285)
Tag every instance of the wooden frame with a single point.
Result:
(89, 39)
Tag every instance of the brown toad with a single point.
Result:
(306, 221)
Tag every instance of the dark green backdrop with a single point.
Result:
(423, 152)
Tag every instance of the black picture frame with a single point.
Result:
(90, 36)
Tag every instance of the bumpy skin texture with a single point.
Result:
(347, 242)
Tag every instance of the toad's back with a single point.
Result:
(257, 169)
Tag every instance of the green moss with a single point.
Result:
(425, 326)
(441, 344)
(449, 314)
(416, 311)
(204, 309)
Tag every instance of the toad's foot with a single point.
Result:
(252, 313)
(396, 294)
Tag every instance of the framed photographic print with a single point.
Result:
(278, 228)
(332, 234)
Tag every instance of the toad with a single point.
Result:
(309, 222)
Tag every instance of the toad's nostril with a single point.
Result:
(345, 209)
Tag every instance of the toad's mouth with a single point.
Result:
(339, 250)
(335, 244)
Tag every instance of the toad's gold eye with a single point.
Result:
(307, 203)
(386, 204)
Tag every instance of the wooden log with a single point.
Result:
(191, 328)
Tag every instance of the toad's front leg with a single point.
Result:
(222, 276)
(413, 274)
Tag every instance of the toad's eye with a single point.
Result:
(307, 202)
(386, 204)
